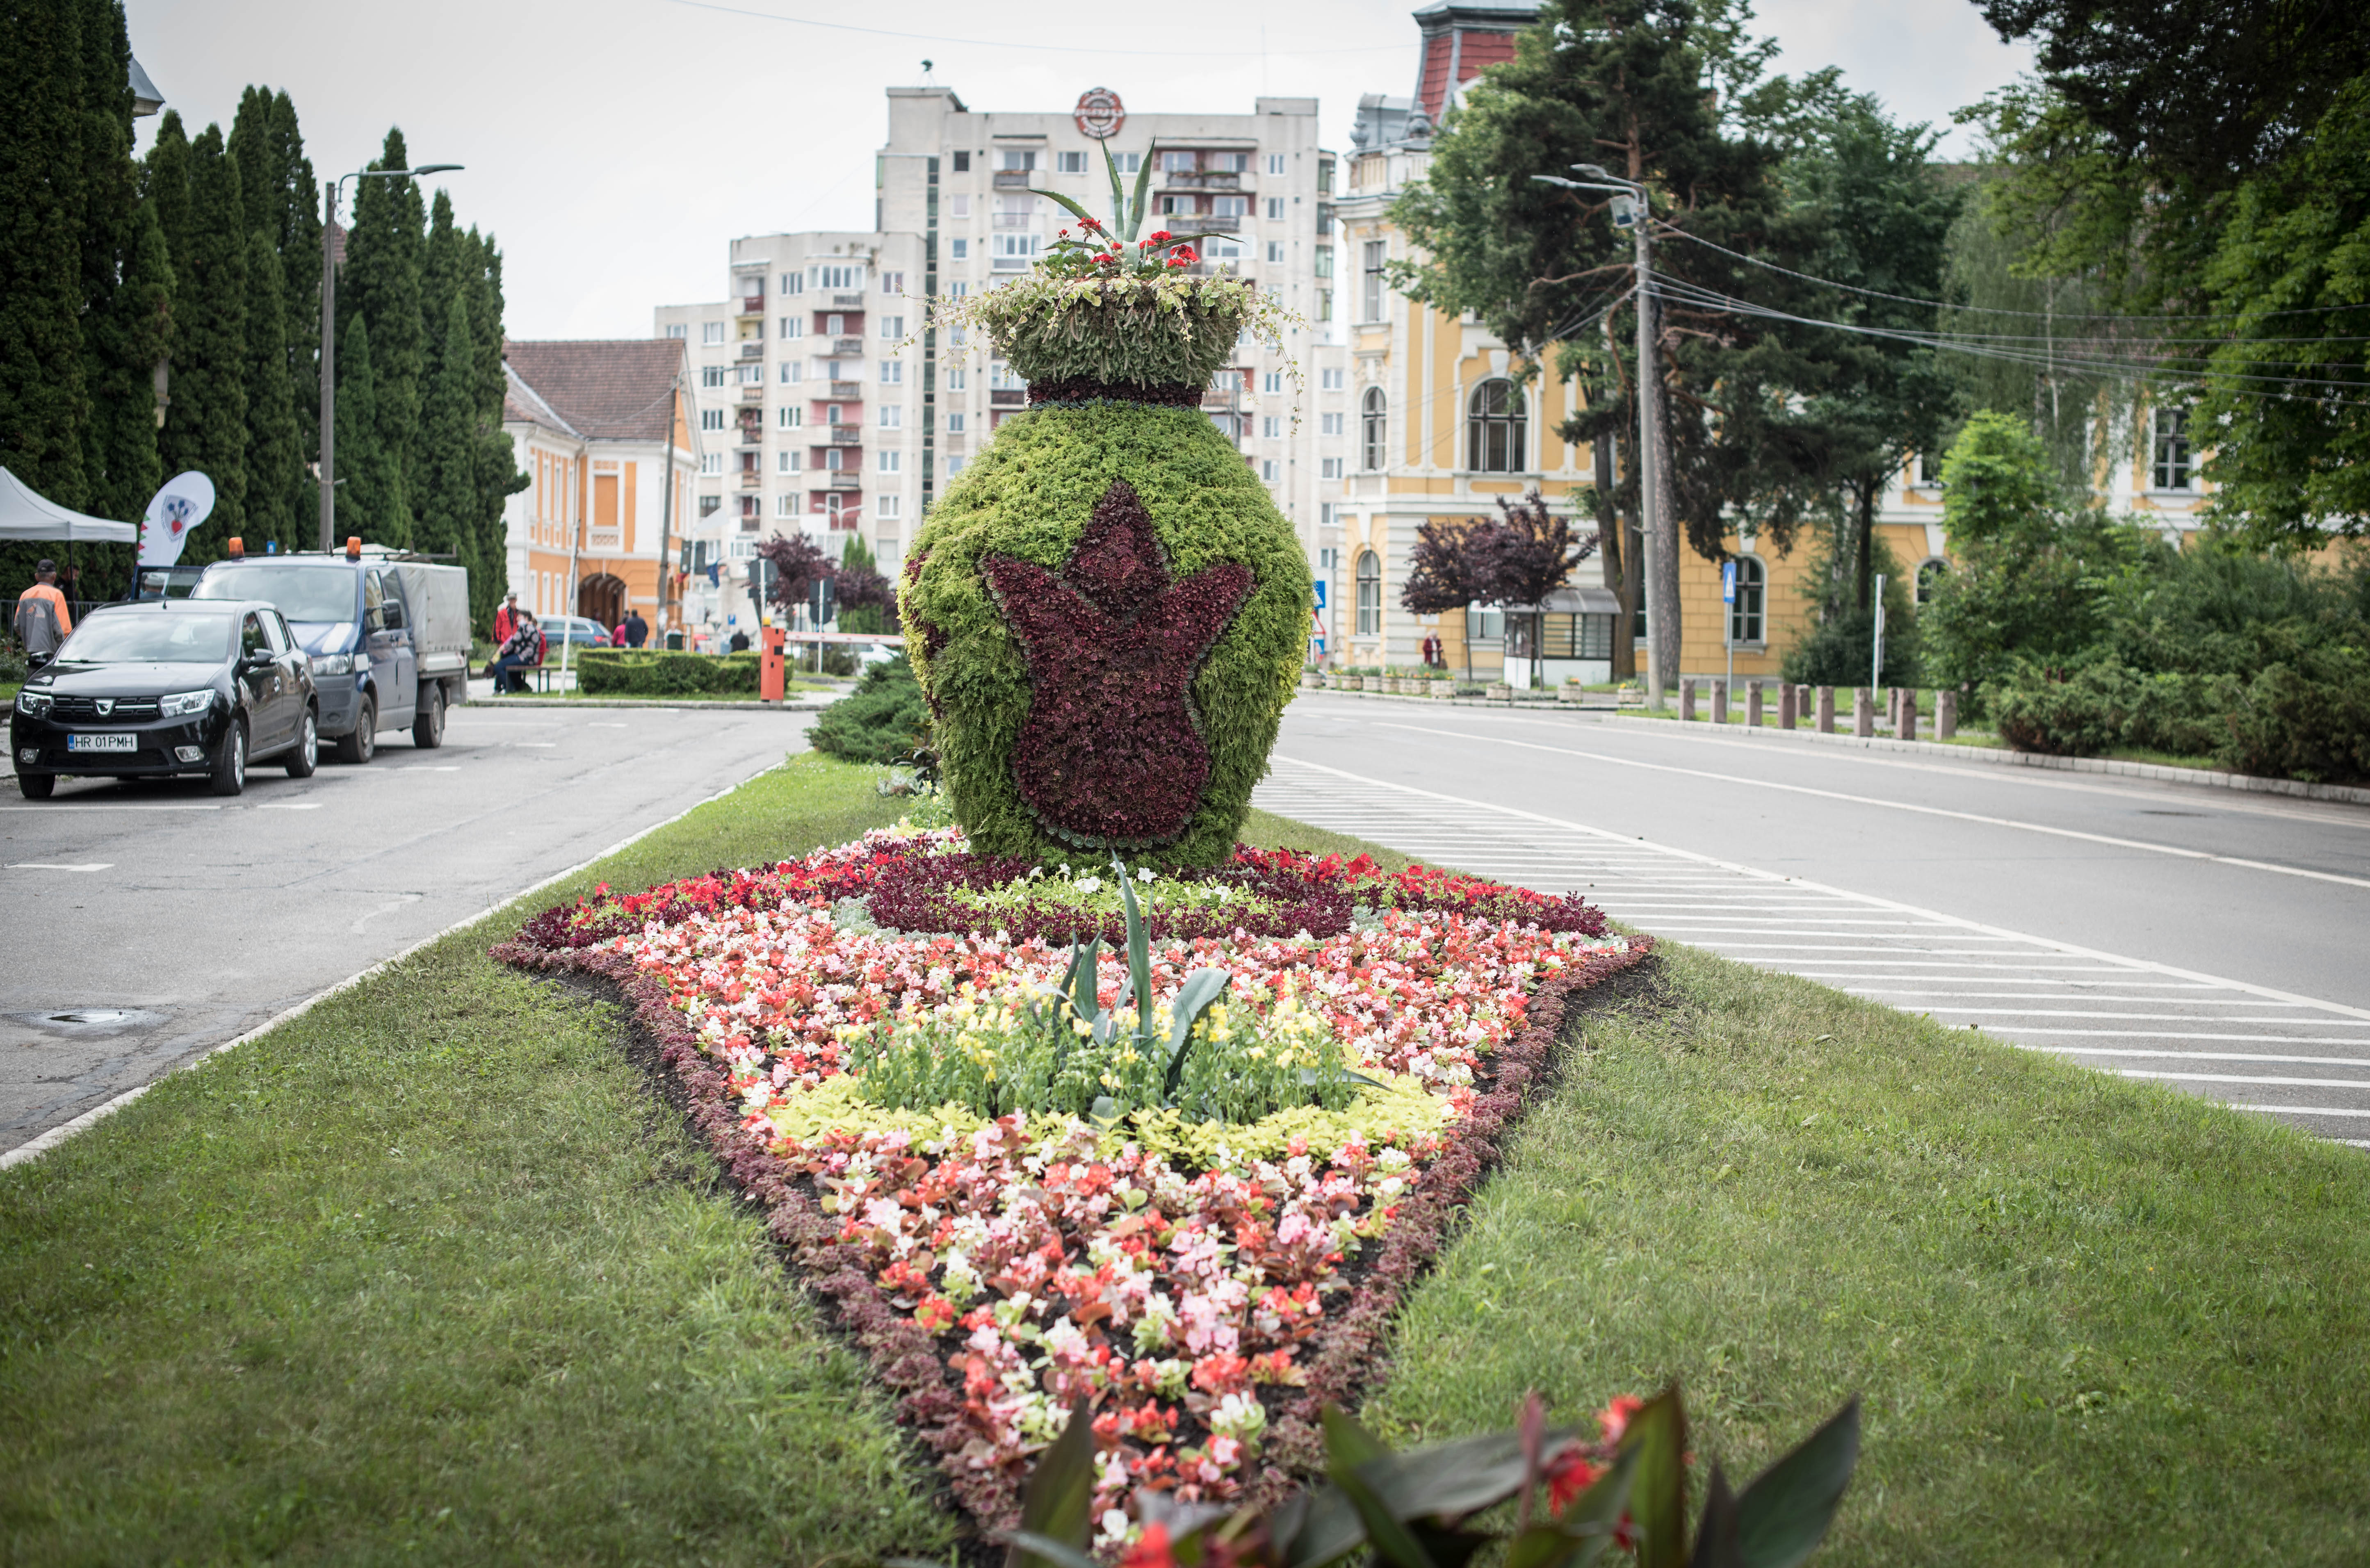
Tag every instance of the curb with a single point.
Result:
(798, 706)
(1540, 704)
(2193, 778)
(34, 1147)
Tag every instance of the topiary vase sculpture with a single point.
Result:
(1105, 610)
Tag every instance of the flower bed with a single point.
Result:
(859, 1035)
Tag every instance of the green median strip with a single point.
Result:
(427, 1269)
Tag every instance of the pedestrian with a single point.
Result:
(43, 619)
(636, 631)
(739, 642)
(522, 650)
(506, 619)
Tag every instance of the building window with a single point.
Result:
(1012, 159)
(888, 507)
(1270, 471)
(1178, 163)
(1376, 252)
(794, 282)
(1332, 464)
(711, 462)
(1275, 212)
(892, 372)
(1070, 162)
(1930, 573)
(709, 505)
(790, 419)
(792, 373)
(955, 423)
(892, 327)
(840, 279)
(1329, 424)
(752, 375)
(1271, 427)
(1370, 594)
(1744, 615)
(1274, 252)
(711, 332)
(955, 465)
(675, 329)
(786, 463)
(1925, 472)
(1271, 381)
(893, 282)
(1373, 423)
(959, 250)
(1230, 206)
(711, 418)
(711, 375)
(889, 461)
(786, 506)
(1494, 428)
(893, 416)
(794, 326)
(958, 378)
(963, 166)
(1330, 379)
(1179, 206)
(1275, 163)
(2172, 459)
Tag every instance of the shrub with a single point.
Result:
(882, 721)
(1121, 695)
(660, 672)
(2306, 720)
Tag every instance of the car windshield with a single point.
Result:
(150, 636)
(300, 593)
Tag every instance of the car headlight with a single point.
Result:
(33, 705)
(333, 664)
(182, 704)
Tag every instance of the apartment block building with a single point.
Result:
(826, 408)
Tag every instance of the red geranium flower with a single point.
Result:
(1158, 234)
(1150, 1551)
(1568, 1475)
(1089, 223)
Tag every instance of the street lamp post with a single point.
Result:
(1659, 534)
(329, 339)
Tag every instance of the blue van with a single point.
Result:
(388, 635)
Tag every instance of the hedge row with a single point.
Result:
(660, 672)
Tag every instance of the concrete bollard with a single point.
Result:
(1826, 710)
(1909, 713)
(1863, 711)
(1786, 707)
(1892, 709)
(1719, 702)
(1752, 704)
(1687, 700)
(1945, 714)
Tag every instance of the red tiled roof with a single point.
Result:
(604, 389)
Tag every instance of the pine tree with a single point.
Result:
(366, 481)
(110, 187)
(446, 497)
(133, 337)
(205, 423)
(164, 181)
(379, 281)
(43, 401)
(283, 205)
(275, 464)
(498, 475)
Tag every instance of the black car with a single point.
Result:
(168, 688)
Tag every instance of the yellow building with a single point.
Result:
(1441, 426)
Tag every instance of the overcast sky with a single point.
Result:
(616, 147)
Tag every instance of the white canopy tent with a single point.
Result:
(25, 515)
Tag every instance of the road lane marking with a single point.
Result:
(288, 806)
(2237, 1078)
(76, 803)
(2302, 1110)
(2201, 1055)
(2175, 851)
(59, 865)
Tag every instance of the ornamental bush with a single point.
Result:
(662, 672)
(882, 721)
(1108, 615)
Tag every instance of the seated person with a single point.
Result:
(522, 651)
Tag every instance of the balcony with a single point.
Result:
(751, 480)
(847, 480)
(846, 302)
(847, 390)
(753, 349)
(1211, 180)
(842, 435)
(754, 393)
(750, 439)
(1013, 264)
(753, 304)
(845, 348)
(1009, 397)
(1015, 220)
(1013, 179)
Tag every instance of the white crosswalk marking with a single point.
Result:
(1918, 960)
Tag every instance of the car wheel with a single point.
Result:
(38, 787)
(307, 754)
(230, 768)
(363, 744)
(427, 727)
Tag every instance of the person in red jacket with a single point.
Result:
(506, 619)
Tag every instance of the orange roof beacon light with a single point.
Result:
(353, 546)
(238, 547)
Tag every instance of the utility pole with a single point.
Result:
(329, 337)
(1660, 536)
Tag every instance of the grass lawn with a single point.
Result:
(427, 1272)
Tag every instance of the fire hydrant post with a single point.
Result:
(769, 666)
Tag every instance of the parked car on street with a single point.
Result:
(582, 631)
(166, 689)
(388, 636)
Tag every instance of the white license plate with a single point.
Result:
(102, 743)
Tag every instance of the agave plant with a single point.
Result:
(1105, 250)
(1431, 1508)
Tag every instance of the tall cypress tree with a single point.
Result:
(43, 403)
(366, 479)
(446, 493)
(205, 423)
(164, 181)
(498, 475)
(110, 182)
(275, 464)
(298, 238)
(380, 282)
(133, 337)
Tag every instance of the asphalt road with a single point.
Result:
(2208, 940)
(192, 920)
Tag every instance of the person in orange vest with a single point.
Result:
(43, 619)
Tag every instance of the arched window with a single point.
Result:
(1372, 424)
(1744, 615)
(1370, 594)
(1494, 428)
(1930, 574)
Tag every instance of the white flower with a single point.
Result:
(1090, 883)
(1143, 874)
